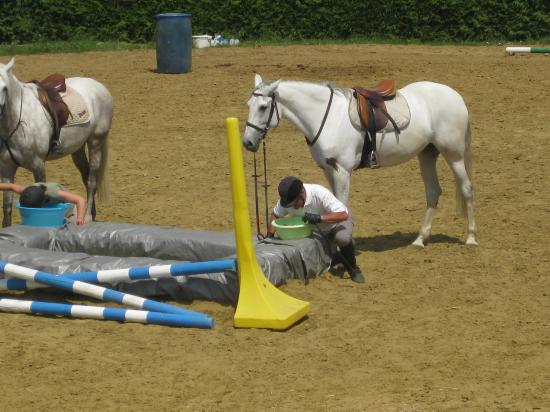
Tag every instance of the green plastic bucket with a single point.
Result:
(289, 228)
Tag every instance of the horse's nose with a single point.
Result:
(248, 144)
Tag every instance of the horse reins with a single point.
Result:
(264, 130)
(273, 110)
(4, 141)
(265, 184)
(256, 197)
(324, 118)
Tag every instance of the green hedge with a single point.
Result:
(26, 21)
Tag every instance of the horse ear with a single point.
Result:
(272, 87)
(10, 64)
(257, 80)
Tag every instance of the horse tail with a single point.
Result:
(460, 199)
(103, 175)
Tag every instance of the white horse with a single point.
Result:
(26, 129)
(439, 123)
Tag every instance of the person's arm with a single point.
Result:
(278, 212)
(270, 228)
(329, 217)
(79, 202)
(336, 210)
(13, 187)
(334, 217)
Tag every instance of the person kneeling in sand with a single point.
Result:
(317, 205)
(41, 194)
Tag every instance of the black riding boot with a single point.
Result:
(348, 255)
(336, 259)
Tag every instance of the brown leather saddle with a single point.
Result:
(48, 95)
(374, 117)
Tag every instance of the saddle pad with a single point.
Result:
(77, 106)
(397, 108)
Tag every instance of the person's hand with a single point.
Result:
(312, 218)
(84, 220)
(81, 221)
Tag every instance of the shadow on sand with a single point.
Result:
(396, 240)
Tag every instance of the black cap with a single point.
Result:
(289, 190)
(33, 196)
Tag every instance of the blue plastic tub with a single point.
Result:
(174, 42)
(46, 216)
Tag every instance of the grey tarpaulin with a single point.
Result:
(102, 245)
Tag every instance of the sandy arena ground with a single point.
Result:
(445, 328)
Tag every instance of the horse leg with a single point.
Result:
(81, 162)
(465, 195)
(7, 205)
(8, 176)
(97, 177)
(427, 159)
(338, 179)
(39, 172)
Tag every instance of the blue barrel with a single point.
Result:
(174, 42)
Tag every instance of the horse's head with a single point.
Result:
(263, 112)
(5, 72)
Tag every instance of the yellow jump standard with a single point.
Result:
(260, 304)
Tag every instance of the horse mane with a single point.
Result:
(343, 91)
(321, 84)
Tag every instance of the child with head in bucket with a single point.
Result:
(318, 206)
(41, 194)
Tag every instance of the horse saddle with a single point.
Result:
(371, 106)
(373, 115)
(49, 96)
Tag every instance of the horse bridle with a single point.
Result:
(273, 109)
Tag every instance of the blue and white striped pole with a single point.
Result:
(134, 273)
(155, 272)
(98, 312)
(95, 291)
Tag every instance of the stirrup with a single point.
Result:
(373, 162)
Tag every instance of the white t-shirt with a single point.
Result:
(319, 200)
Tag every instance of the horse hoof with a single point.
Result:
(471, 242)
(418, 243)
